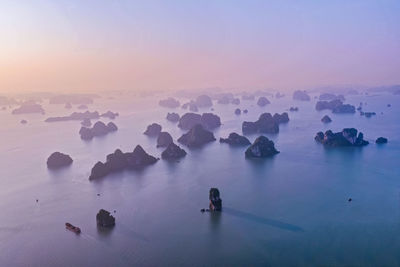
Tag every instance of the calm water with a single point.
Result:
(288, 210)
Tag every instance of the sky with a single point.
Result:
(82, 46)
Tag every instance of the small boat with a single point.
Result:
(72, 228)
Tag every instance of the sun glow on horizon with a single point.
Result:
(111, 45)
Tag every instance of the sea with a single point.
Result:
(288, 210)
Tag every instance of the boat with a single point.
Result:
(72, 228)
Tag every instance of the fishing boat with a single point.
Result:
(72, 228)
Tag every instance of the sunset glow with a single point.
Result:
(136, 45)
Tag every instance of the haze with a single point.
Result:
(166, 45)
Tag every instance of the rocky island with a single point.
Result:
(173, 152)
(301, 96)
(58, 160)
(261, 148)
(119, 161)
(263, 101)
(215, 200)
(153, 130)
(381, 140)
(109, 114)
(105, 219)
(326, 119)
(235, 139)
(329, 97)
(191, 105)
(207, 120)
(173, 117)
(83, 115)
(99, 129)
(170, 102)
(196, 137)
(164, 139)
(265, 124)
(27, 108)
(336, 106)
(203, 101)
(347, 137)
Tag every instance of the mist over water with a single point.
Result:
(290, 209)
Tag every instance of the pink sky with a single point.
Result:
(74, 46)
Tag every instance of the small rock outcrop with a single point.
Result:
(105, 219)
(99, 129)
(173, 152)
(23, 121)
(173, 117)
(215, 200)
(326, 119)
(119, 161)
(235, 139)
(301, 95)
(293, 109)
(164, 139)
(238, 111)
(265, 124)
(263, 101)
(261, 148)
(381, 140)
(196, 137)
(347, 137)
(58, 160)
(153, 130)
(170, 102)
(279, 95)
